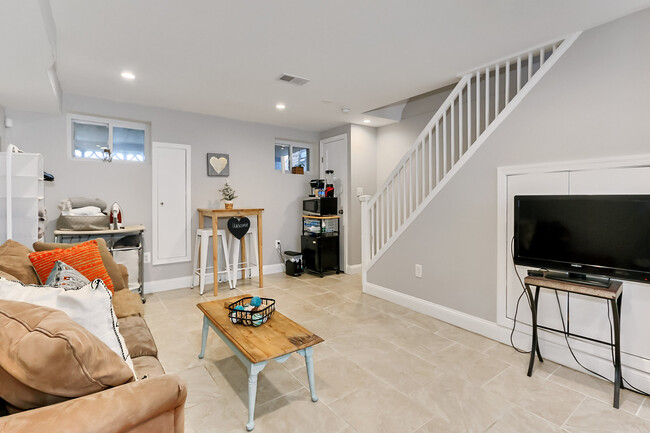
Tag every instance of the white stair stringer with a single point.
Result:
(469, 115)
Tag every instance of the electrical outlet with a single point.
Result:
(359, 191)
(418, 271)
(147, 257)
(277, 244)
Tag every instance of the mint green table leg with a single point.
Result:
(204, 337)
(253, 370)
(309, 362)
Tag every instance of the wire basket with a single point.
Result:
(251, 318)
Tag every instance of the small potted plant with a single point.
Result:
(299, 169)
(227, 195)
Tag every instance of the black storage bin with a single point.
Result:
(293, 265)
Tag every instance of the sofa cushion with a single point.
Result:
(84, 257)
(90, 306)
(46, 357)
(66, 276)
(137, 336)
(126, 303)
(14, 260)
(112, 268)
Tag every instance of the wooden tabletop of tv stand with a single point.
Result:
(611, 292)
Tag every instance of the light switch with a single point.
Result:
(359, 191)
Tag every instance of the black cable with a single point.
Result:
(523, 292)
(566, 337)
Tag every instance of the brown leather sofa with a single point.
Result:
(154, 403)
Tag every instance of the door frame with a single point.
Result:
(155, 260)
(345, 203)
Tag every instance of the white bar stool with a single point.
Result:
(202, 242)
(234, 245)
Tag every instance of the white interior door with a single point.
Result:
(334, 156)
(171, 203)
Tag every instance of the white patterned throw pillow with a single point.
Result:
(64, 275)
(90, 306)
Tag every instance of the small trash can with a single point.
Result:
(293, 264)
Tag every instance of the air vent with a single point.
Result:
(293, 79)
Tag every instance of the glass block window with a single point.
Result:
(107, 139)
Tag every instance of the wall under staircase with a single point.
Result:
(593, 103)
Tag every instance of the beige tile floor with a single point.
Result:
(382, 368)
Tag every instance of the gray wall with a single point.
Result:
(594, 103)
(363, 153)
(252, 174)
(3, 144)
(394, 140)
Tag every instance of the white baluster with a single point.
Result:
(452, 142)
(469, 113)
(496, 91)
(438, 172)
(478, 104)
(410, 184)
(461, 148)
(431, 159)
(507, 100)
(444, 143)
(487, 97)
(530, 66)
(423, 171)
(541, 57)
(518, 74)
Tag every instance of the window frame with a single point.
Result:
(112, 123)
(292, 144)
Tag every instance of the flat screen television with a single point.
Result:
(584, 236)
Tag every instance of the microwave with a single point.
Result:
(320, 206)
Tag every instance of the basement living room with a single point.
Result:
(291, 217)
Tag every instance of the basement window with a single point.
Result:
(104, 139)
(290, 154)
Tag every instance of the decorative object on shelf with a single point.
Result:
(239, 226)
(218, 164)
(116, 217)
(228, 195)
(299, 169)
(244, 311)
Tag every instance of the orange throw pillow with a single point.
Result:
(84, 257)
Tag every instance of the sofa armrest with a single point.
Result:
(119, 409)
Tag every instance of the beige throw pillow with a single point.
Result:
(46, 357)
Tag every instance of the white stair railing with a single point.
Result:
(479, 102)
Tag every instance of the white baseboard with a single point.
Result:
(553, 346)
(353, 269)
(183, 282)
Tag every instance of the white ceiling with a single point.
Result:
(224, 57)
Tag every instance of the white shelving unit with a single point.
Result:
(21, 193)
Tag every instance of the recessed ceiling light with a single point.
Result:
(280, 106)
(128, 75)
(366, 120)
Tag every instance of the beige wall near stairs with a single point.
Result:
(594, 103)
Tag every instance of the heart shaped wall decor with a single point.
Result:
(239, 226)
(218, 164)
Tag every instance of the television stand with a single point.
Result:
(612, 294)
(579, 278)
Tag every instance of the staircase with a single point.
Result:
(481, 100)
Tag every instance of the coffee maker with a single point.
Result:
(317, 185)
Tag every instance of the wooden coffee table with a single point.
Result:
(276, 339)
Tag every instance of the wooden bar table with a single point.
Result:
(215, 214)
